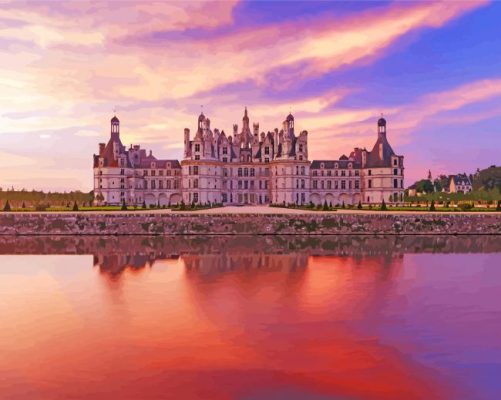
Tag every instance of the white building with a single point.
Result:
(246, 167)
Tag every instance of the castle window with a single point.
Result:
(197, 157)
(329, 173)
(195, 197)
(225, 159)
(160, 184)
(395, 183)
(197, 147)
(357, 172)
(153, 184)
(240, 184)
(343, 172)
(300, 158)
(161, 172)
(336, 185)
(314, 184)
(240, 172)
(395, 161)
(225, 150)
(322, 166)
(343, 184)
(122, 171)
(357, 184)
(195, 183)
(195, 170)
(266, 150)
(315, 173)
(266, 160)
(145, 172)
(252, 172)
(370, 172)
(369, 183)
(302, 183)
(153, 173)
(329, 185)
(350, 165)
(395, 171)
(300, 148)
(336, 165)
(246, 172)
(168, 184)
(302, 170)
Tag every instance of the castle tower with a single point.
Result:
(115, 128)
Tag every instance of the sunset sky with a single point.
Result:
(433, 69)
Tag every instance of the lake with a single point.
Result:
(340, 317)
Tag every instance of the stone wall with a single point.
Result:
(128, 223)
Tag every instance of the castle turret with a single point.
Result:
(115, 128)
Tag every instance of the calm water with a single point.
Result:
(250, 318)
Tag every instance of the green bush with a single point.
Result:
(383, 206)
(7, 206)
(498, 207)
(432, 206)
(124, 206)
(144, 204)
(359, 205)
(75, 206)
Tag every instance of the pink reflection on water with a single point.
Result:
(232, 326)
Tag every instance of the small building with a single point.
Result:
(460, 183)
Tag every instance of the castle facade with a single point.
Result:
(246, 167)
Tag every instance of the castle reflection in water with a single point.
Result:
(217, 254)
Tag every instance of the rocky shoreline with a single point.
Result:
(249, 224)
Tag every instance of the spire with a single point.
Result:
(246, 117)
(115, 128)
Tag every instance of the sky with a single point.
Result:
(433, 69)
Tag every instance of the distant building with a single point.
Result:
(459, 184)
(247, 167)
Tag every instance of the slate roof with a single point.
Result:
(330, 164)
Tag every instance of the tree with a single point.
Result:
(24, 205)
(182, 207)
(359, 204)
(424, 186)
(432, 206)
(144, 204)
(124, 206)
(75, 206)
(326, 207)
(343, 205)
(7, 206)
(498, 208)
(383, 206)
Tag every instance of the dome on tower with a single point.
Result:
(381, 122)
(115, 119)
(290, 117)
(201, 117)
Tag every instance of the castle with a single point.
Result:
(246, 167)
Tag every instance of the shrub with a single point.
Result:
(432, 206)
(24, 205)
(7, 206)
(325, 207)
(498, 207)
(383, 206)
(124, 206)
(182, 206)
(466, 206)
(359, 205)
(144, 204)
(41, 207)
(343, 205)
(75, 206)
